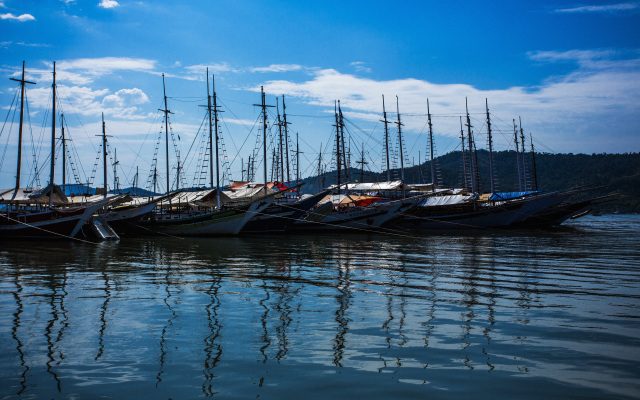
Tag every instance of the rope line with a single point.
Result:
(45, 230)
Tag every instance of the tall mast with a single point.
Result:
(298, 162)
(490, 147)
(178, 173)
(362, 163)
(281, 167)
(104, 158)
(22, 90)
(286, 139)
(433, 169)
(515, 139)
(264, 136)
(166, 127)
(273, 165)
(64, 153)
(386, 138)
(464, 161)
(401, 148)
(53, 136)
(348, 159)
(338, 161)
(470, 139)
(344, 150)
(533, 156)
(115, 171)
(320, 169)
(524, 159)
(210, 133)
(217, 139)
(420, 169)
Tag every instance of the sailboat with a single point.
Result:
(286, 209)
(222, 219)
(360, 211)
(123, 215)
(43, 212)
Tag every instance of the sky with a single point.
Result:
(568, 70)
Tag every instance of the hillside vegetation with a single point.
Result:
(620, 173)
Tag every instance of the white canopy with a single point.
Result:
(370, 186)
(445, 200)
(33, 195)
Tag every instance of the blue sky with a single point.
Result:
(570, 70)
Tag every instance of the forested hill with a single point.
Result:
(619, 172)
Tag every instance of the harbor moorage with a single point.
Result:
(522, 314)
(334, 200)
(277, 205)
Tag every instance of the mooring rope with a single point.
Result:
(45, 230)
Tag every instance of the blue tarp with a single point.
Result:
(511, 195)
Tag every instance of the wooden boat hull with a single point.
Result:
(460, 216)
(126, 220)
(52, 223)
(559, 213)
(478, 215)
(57, 223)
(371, 217)
(280, 217)
(224, 222)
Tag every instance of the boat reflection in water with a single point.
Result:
(382, 317)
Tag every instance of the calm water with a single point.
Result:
(527, 314)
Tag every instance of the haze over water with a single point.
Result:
(517, 314)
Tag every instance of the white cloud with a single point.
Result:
(125, 98)
(21, 18)
(108, 4)
(83, 71)
(570, 55)
(236, 121)
(276, 68)
(105, 65)
(33, 44)
(600, 97)
(589, 59)
(85, 101)
(609, 8)
(359, 66)
(8, 43)
(82, 100)
(2, 5)
(199, 72)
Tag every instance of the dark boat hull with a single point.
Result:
(463, 216)
(280, 217)
(53, 223)
(217, 223)
(558, 214)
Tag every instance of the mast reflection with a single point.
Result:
(167, 326)
(14, 333)
(103, 313)
(344, 300)
(213, 348)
